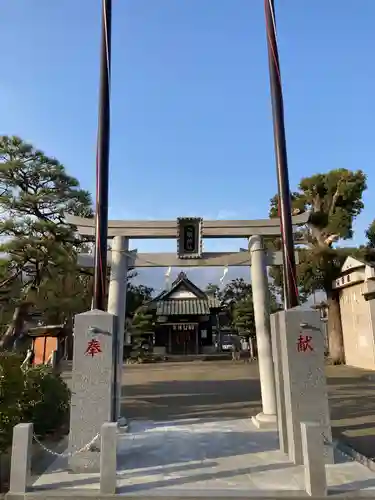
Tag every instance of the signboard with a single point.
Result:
(183, 326)
(189, 237)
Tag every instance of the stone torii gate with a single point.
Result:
(120, 259)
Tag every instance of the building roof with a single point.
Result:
(355, 270)
(185, 307)
(193, 301)
(47, 331)
(352, 262)
(183, 282)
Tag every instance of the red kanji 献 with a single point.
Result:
(93, 347)
(304, 343)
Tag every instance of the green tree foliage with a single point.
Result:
(45, 400)
(36, 192)
(40, 271)
(334, 200)
(36, 395)
(136, 296)
(237, 297)
(243, 315)
(212, 289)
(63, 297)
(11, 388)
(370, 235)
(234, 291)
(143, 322)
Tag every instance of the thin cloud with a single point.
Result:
(227, 214)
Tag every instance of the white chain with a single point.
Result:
(335, 446)
(69, 454)
(133, 437)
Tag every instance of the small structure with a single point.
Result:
(356, 287)
(185, 318)
(45, 341)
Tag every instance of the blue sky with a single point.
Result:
(191, 116)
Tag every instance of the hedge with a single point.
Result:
(37, 395)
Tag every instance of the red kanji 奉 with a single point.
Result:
(93, 348)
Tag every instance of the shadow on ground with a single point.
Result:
(192, 399)
(200, 446)
(223, 390)
(352, 404)
(205, 476)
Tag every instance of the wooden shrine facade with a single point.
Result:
(186, 319)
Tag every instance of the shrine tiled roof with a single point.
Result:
(185, 307)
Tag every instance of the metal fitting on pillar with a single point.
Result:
(255, 243)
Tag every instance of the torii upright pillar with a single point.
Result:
(261, 300)
(117, 306)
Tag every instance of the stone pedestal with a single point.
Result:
(279, 382)
(20, 469)
(108, 459)
(92, 380)
(301, 382)
(313, 453)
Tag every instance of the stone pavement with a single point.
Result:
(206, 458)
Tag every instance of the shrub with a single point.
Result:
(37, 395)
(11, 388)
(45, 400)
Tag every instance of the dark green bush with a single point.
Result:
(37, 395)
(45, 400)
(11, 388)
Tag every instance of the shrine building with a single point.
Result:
(186, 319)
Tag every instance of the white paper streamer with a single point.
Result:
(224, 274)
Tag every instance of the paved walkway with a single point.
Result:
(206, 458)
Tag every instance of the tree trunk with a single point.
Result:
(14, 329)
(335, 335)
(16, 325)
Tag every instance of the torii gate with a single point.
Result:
(121, 259)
